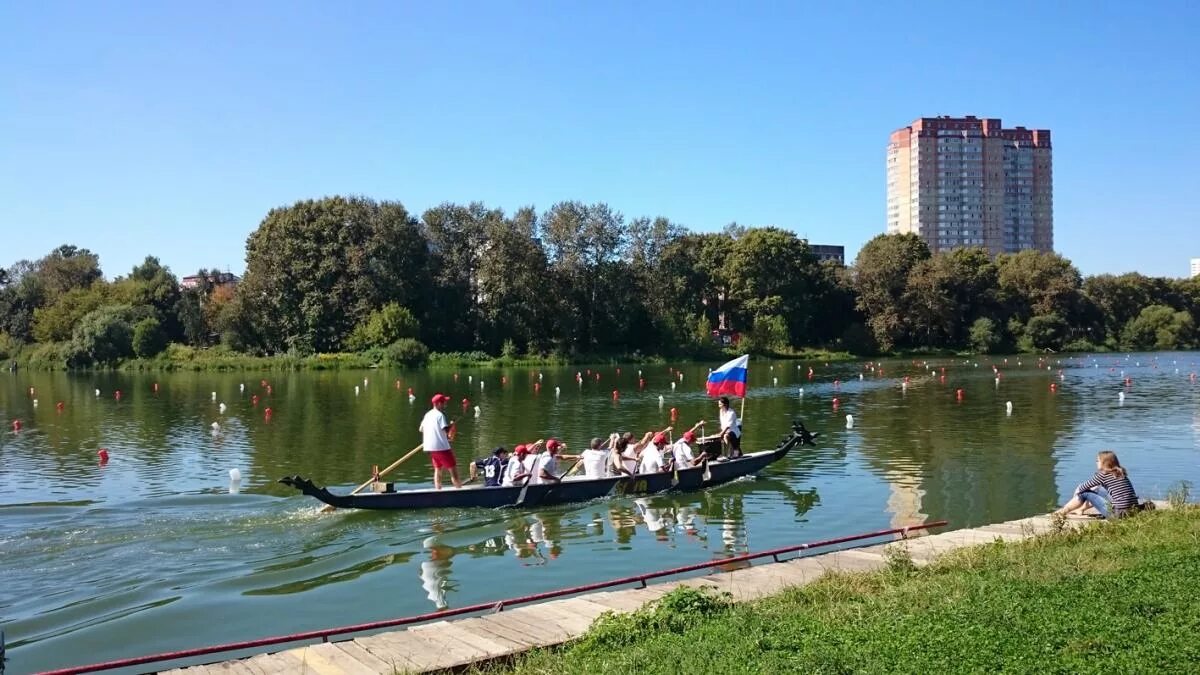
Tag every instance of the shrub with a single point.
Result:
(49, 356)
(1159, 327)
(509, 349)
(985, 336)
(383, 327)
(103, 336)
(407, 352)
(9, 346)
(1046, 331)
(149, 339)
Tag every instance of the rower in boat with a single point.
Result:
(594, 464)
(519, 466)
(681, 450)
(545, 468)
(650, 455)
(624, 458)
(492, 467)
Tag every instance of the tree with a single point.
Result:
(316, 269)
(457, 239)
(772, 272)
(516, 290)
(579, 239)
(383, 327)
(103, 336)
(985, 336)
(1046, 331)
(1038, 283)
(149, 339)
(880, 277)
(1159, 327)
(152, 285)
(65, 268)
(947, 292)
(56, 321)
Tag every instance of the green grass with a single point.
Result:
(1118, 597)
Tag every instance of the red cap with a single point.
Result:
(659, 439)
(553, 444)
(440, 398)
(521, 450)
(689, 436)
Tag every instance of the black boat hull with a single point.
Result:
(571, 490)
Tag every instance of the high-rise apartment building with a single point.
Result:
(965, 181)
(1195, 271)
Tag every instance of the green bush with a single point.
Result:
(1159, 327)
(1046, 331)
(509, 349)
(103, 336)
(985, 336)
(49, 356)
(149, 339)
(9, 346)
(383, 327)
(407, 352)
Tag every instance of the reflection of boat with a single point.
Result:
(683, 480)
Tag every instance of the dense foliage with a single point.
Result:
(351, 273)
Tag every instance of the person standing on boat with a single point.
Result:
(493, 467)
(546, 467)
(436, 432)
(731, 427)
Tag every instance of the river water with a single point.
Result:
(152, 552)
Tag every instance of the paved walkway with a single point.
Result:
(460, 642)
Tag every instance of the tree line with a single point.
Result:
(355, 274)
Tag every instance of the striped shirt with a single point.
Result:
(1120, 490)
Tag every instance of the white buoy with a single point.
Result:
(97, 392)
(681, 377)
(470, 379)
(477, 411)
(997, 382)
(775, 381)
(539, 377)
(235, 481)
(661, 400)
(411, 398)
(214, 396)
(771, 367)
(860, 377)
(557, 391)
(801, 392)
(481, 385)
(672, 386)
(35, 402)
(903, 387)
(216, 428)
(364, 383)
(221, 408)
(639, 373)
(1120, 398)
(1008, 408)
(849, 421)
(356, 390)
(242, 388)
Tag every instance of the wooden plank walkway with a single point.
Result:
(456, 643)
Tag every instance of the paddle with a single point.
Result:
(537, 459)
(362, 487)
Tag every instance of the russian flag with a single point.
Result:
(729, 378)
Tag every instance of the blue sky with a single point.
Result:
(172, 128)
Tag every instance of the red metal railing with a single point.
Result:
(325, 634)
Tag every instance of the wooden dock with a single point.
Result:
(457, 643)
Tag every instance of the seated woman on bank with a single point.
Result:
(1110, 486)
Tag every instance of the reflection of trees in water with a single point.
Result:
(971, 465)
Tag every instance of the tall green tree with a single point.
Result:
(457, 239)
(516, 290)
(881, 273)
(772, 272)
(580, 239)
(317, 268)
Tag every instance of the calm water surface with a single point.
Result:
(152, 552)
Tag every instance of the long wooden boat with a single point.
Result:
(569, 490)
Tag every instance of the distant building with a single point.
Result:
(215, 279)
(965, 181)
(1195, 272)
(829, 252)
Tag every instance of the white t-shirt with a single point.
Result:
(516, 466)
(433, 428)
(729, 420)
(548, 463)
(683, 454)
(594, 464)
(652, 459)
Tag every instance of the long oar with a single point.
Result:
(537, 460)
(364, 486)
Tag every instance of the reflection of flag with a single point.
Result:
(729, 378)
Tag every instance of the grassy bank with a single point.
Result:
(1119, 597)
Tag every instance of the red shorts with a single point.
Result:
(443, 459)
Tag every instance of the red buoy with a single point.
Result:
(267, 414)
(465, 403)
(503, 380)
(537, 386)
(410, 391)
(616, 395)
(103, 454)
(641, 383)
(262, 383)
(156, 387)
(254, 400)
(117, 394)
(674, 414)
(59, 406)
(397, 384)
(835, 403)
(1053, 387)
(16, 425)
(958, 394)
(269, 390)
